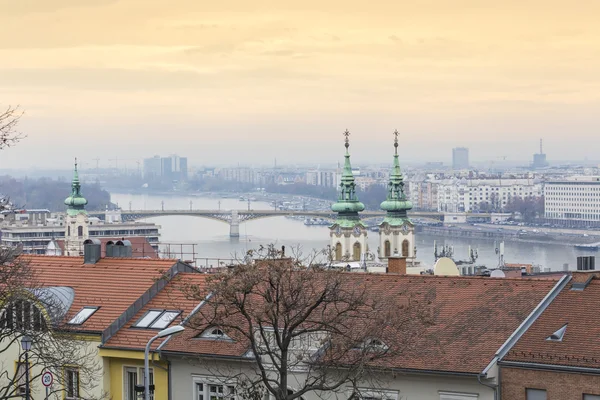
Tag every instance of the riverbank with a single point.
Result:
(509, 235)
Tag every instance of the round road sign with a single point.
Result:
(47, 378)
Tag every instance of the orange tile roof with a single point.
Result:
(171, 297)
(112, 284)
(473, 317)
(580, 346)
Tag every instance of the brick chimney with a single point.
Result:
(396, 265)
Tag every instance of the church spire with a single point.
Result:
(347, 205)
(396, 203)
(75, 202)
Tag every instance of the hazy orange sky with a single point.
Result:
(260, 79)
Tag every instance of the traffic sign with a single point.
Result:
(47, 378)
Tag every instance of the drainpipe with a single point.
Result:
(491, 386)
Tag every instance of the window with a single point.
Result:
(377, 394)
(130, 382)
(206, 388)
(535, 394)
(71, 383)
(83, 315)
(405, 248)
(457, 396)
(214, 333)
(80, 231)
(21, 377)
(22, 315)
(591, 397)
(133, 376)
(156, 319)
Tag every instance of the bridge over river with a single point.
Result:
(235, 217)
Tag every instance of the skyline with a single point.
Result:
(264, 80)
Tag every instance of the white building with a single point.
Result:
(574, 199)
(468, 195)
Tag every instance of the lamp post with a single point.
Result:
(26, 343)
(174, 330)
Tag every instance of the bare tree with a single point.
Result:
(31, 310)
(326, 330)
(9, 119)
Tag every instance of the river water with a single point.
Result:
(211, 237)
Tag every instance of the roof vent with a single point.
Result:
(110, 245)
(586, 263)
(123, 249)
(558, 335)
(91, 251)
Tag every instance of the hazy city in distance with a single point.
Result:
(299, 200)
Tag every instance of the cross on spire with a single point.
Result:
(396, 133)
(75, 163)
(347, 138)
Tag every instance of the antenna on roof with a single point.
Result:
(541, 151)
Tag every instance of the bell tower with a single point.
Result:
(348, 235)
(396, 232)
(76, 221)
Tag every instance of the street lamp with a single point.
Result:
(174, 330)
(26, 344)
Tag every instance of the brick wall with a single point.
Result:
(559, 385)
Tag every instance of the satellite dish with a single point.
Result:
(497, 273)
(445, 266)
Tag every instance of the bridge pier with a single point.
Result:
(234, 225)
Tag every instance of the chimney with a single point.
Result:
(91, 251)
(586, 263)
(123, 249)
(110, 249)
(396, 265)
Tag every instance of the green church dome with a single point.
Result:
(347, 206)
(75, 202)
(396, 204)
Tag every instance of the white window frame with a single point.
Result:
(69, 370)
(445, 395)
(381, 394)
(139, 379)
(206, 381)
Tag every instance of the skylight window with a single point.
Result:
(157, 319)
(83, 315)
(558, 335)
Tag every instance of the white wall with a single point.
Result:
(398, 386)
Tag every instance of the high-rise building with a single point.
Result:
(460, 158)
(539, 159)
(152, 168)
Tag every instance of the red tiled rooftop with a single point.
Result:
(472, 318)
(581, 342)
(112, 284)
(172, 298)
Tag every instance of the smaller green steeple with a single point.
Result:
(347, 205)
(396, 204)
(75, 202)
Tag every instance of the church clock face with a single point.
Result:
(404, 229)
(357, 230)
(338, 230)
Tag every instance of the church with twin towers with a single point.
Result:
(348, 234)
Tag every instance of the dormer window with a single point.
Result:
(214, 333)
(558, 335)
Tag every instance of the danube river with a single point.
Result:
(211, 237)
